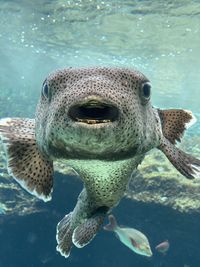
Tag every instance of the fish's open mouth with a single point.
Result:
(93, 112)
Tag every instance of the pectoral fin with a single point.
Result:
(24, 160)
(186, 164)
(174, 122)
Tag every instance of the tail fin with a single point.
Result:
(64, 236)
(84, 233)
(80, 236)
(112, 224)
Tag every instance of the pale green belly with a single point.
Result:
(105, 181)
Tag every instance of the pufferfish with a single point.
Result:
(101, 121)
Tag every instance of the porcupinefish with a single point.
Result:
(101, 121)
(130, 237)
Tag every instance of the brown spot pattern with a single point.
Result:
(186, 164)
(64, 235)
(85, 232)
(25, 162)
(174, 123)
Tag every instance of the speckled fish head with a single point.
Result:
(96, 112)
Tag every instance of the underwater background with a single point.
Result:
(159, 38)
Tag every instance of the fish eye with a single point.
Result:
(146, 91)
(146, 88)
(45, 89)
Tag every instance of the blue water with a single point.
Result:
(162, 40)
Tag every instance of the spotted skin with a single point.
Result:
(64, 235)
(122, 87)
(101, 121)
(84, 233)
(174, 122)
(186, 164)
(25, 162)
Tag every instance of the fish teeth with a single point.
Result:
(92, 121)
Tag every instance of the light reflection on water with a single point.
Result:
(160, 38)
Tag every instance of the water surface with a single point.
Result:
(161, 39)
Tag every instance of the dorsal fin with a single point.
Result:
(174, 122)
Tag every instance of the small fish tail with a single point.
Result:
(112, 223)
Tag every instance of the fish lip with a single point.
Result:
(93, 111)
